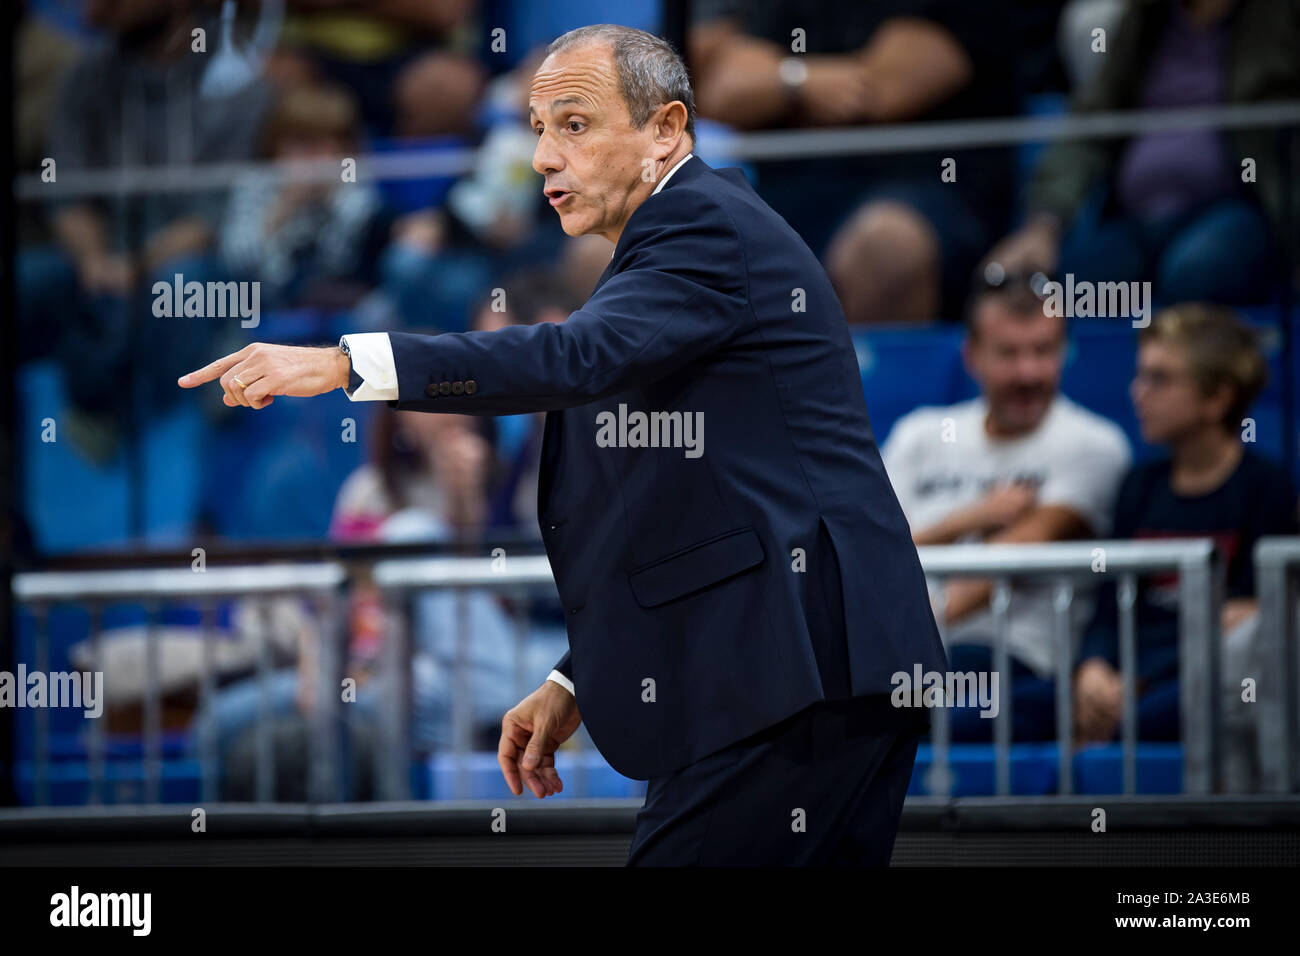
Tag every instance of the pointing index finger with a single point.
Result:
(209, 372)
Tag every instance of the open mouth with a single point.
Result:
(557, 196)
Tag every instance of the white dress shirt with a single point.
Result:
(372, 359)
(669, 175)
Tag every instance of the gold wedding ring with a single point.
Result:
(236, 380)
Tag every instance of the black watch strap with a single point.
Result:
(354, 380)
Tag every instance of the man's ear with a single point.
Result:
(669, 125)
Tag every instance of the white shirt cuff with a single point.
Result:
(372, 359)
(562, 681)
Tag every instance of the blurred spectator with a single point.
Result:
(1198, 371)
(43, 50)
(495, 220)
(430, 482)
(132, 102)
(427, 482)
(428, 462)
(407, 61)
(1076, 39)
(1173, 208)
(583, 261)
(1019, 463)
(907, 246)
(525, 298)
(306, 243)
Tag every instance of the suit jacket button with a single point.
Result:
(471, 386)
(444, 388)
(431, 391)
(457, 388)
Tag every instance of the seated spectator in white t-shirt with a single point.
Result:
(1020, 463)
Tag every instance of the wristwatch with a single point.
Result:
(354, 380)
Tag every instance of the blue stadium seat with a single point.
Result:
(72, 503)
(974, 773)
(274, 473)
(906, 367)
(1100, 769)
(75, 504)
(584, 772)
(1099, 366)
(69, 783)
(1096, 769)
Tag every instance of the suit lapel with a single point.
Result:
(609, 271)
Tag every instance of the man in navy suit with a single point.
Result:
(740, 581)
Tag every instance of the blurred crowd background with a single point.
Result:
(1094, 429)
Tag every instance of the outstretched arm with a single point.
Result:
(680, 292)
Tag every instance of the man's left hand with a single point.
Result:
(258, 372)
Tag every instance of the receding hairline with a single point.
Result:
(580, 46)
(570, 98)
(584, 43)
(648, 71)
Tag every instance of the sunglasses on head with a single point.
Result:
(993, 277)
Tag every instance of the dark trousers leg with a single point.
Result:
(822, 788)
(870, 839)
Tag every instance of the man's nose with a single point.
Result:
(1035, 368)
(546, 158)
(1024, 370)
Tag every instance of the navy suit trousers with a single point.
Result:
(823, 787)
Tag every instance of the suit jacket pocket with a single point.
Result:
(697, 567)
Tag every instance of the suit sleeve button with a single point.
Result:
(431, 391)
(457, 388)
(471, 386)
(444, 388)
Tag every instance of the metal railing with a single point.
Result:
(1277, 573)
(324, 585)
(399, 577)
(40, 590)
(780, 144)
(1066, 567)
